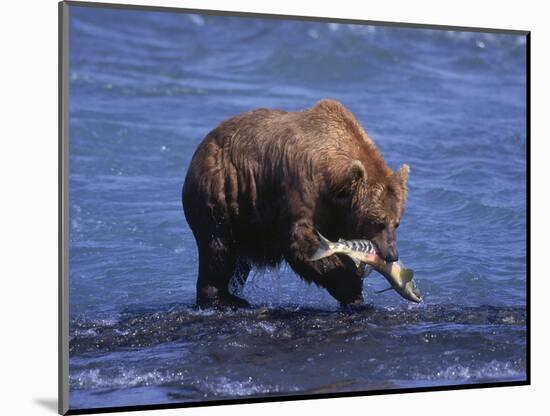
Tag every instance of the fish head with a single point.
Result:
(407, 287)
(401, 279)
(411, 292)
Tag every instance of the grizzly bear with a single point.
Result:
(260, 185)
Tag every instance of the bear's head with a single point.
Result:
(376, 205)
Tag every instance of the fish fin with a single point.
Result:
(324, 249)
(407, 275)
(357, 262)
(383, 290)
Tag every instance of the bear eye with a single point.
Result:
(379, 226)
(396, 225)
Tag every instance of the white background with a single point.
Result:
(28, 189)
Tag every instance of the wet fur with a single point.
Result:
(261, 183)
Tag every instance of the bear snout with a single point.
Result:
(388, 252)
(392, 255)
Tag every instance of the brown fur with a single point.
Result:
(261, 183)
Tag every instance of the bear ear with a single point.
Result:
(403, 173)
(357, 171)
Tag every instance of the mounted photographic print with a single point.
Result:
(264, 208)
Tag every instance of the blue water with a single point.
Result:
(146, 87)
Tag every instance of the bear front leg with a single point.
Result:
(217, 265)
(339, 276)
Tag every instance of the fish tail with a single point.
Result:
(324, 249)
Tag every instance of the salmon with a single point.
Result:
(363, 251)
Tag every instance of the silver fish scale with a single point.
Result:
(362, 246)
(340, 245)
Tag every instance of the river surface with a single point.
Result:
(146, 87)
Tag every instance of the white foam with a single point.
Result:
(217, 385)
(196, 19)
(491, 370)
(97, 379)
(247, 387)
(313, 34)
